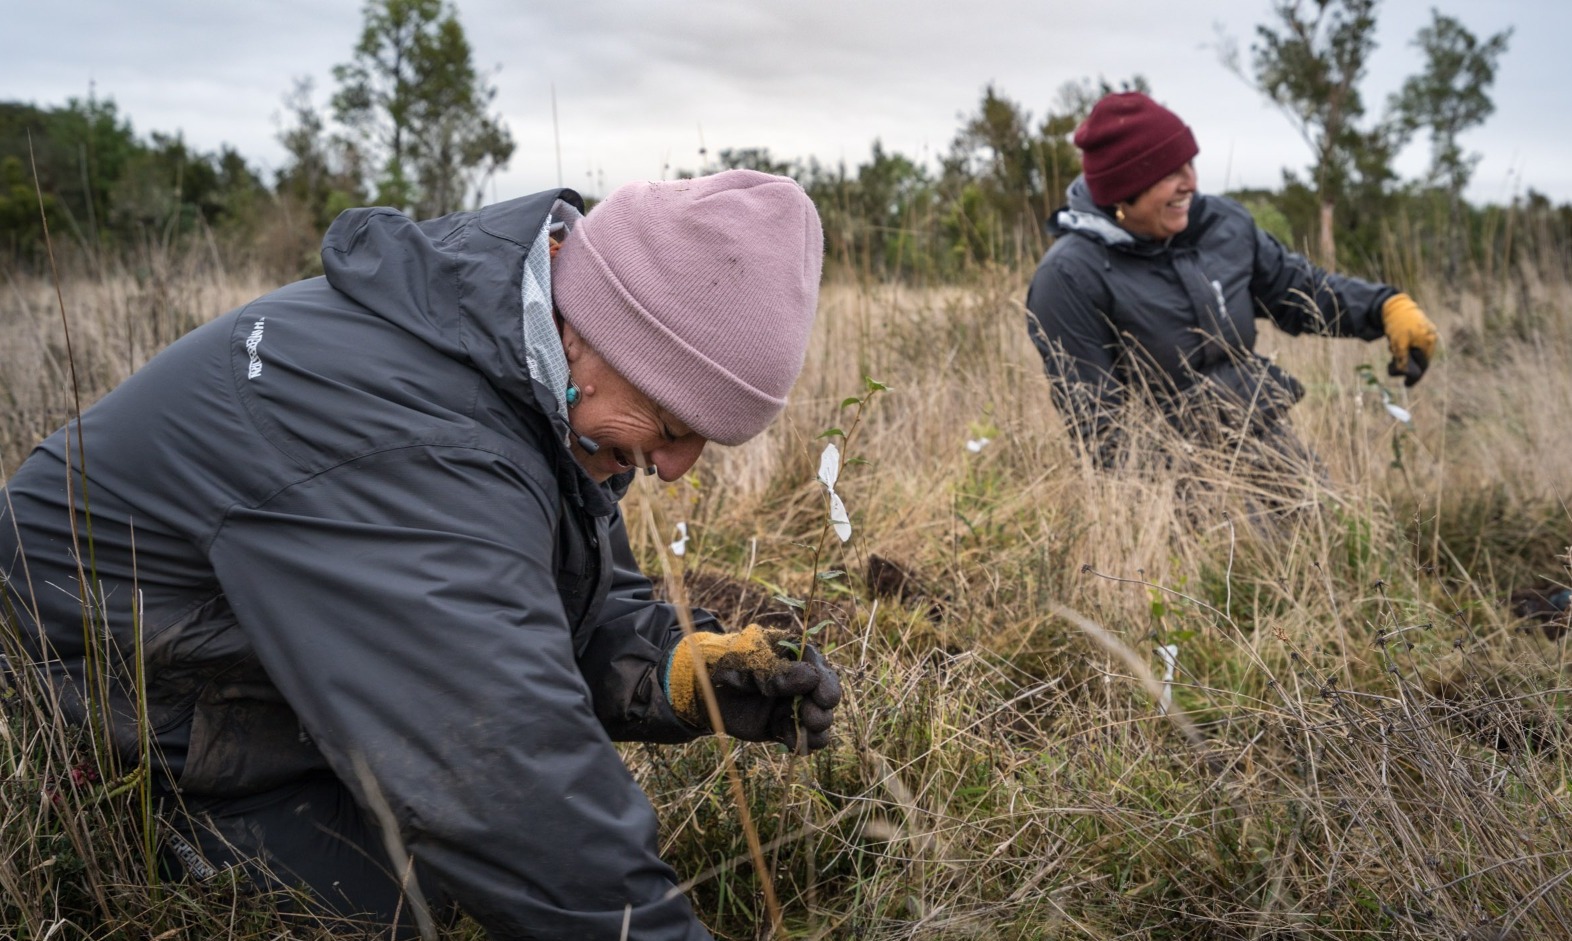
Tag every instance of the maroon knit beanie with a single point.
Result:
(1128, 143)
(699, 292)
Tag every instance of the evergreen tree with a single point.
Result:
(413, 98)
(324, 173)
(1451, 95)
(1310, 64)
(995, 178)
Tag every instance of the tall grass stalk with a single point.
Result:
(672, 573)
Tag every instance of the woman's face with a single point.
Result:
(630, 429)
(1163, 210)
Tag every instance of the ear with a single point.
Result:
(581, 357)
(572, 343)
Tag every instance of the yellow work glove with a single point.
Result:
(1410, 335)
(765, 691)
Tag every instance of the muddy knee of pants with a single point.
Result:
(308, 835)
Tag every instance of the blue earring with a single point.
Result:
(572, 395)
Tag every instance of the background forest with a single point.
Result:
(1079, 704)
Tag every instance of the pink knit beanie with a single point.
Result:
(1128, 143)
(700, 292)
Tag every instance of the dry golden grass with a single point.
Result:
(1381, 748)
(116, 322)
(1362, 743)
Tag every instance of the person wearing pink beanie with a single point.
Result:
(394, 625)
(701, 292)
(1151, 291)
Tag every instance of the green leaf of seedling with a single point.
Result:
(851, 400)
(830, 575)
(793, 646)
(791, 602)
(1158, 608)
(855, 462)
(838, 589)
(770, 586)
(832, 432)
(874, 385)
(815, 629)
(1179, 637)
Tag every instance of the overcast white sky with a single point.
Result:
(641, 83)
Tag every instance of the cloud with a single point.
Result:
(639, 83)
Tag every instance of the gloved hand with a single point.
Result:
(764, 690)
(1410, 335)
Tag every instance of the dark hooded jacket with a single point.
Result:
(346, 521)
(1112, 313)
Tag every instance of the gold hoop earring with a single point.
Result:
(1119, 213)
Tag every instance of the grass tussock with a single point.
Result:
(1357, 740)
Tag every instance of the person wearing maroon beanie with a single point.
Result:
(361, 573)
(1151, 292)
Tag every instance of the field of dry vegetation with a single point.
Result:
(1360, 739)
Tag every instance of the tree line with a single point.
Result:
(411, 124)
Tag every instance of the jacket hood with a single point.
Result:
(1084, 217)
(476, 287)
(459, 282)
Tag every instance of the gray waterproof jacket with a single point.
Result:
(347, 522)
(1112, 313)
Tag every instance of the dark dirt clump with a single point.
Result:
(733, 601)
(890, 580)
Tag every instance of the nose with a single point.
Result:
(677, 458)
(1187, 178)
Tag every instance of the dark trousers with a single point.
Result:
(309, 835)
